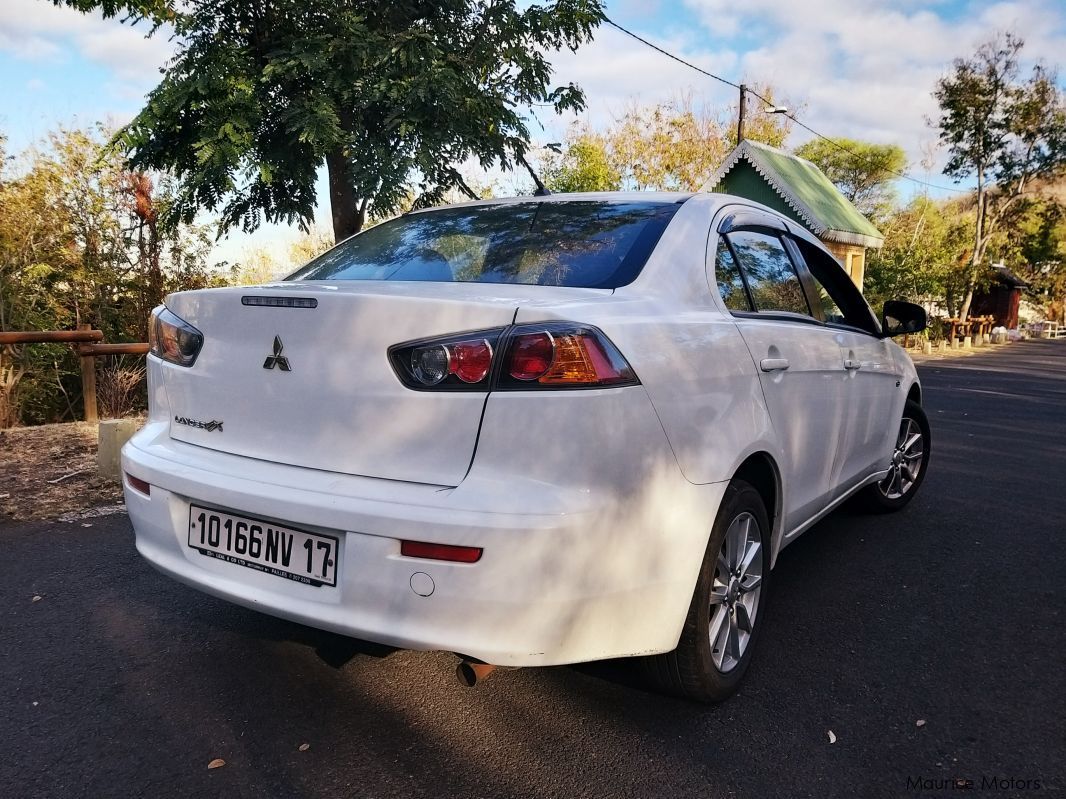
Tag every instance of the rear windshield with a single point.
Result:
(588, 244)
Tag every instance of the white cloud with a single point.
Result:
(615, 69)
(866, 68)
(38, 30)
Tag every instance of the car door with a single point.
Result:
(872, 383)
(799, 360)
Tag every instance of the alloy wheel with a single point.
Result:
(735, 593)
(906, 460)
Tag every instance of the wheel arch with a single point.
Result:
(914, 393)
(760, 469)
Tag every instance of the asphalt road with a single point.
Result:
(120, 682)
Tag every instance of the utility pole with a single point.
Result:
(740, 115)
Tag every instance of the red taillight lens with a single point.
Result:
(471, 360)
(455, 554)
(531, 355)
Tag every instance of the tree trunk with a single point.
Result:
(348, 215)
(978, 248)
(967, 300)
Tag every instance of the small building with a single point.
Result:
(1001, 299)
(798, 189)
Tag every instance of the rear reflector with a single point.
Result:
(421, 549)
(138, 484)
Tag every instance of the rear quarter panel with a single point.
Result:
(687, 352)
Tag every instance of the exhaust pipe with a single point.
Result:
(470, 673)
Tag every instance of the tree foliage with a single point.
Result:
(389, 96)
(1005, 131)
(584, 165)
(925, 242)
(864, 175)
(80, 243)
(673, 145)
(1035, 249)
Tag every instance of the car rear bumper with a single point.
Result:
(567, 574)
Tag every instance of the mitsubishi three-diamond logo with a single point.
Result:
(277, 359)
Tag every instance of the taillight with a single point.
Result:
(172, 338)
(551, 355)
(562, 356)
(455, 363)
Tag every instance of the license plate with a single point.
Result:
(309, 558)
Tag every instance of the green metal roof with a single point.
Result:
(806, 190)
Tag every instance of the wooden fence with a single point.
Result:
(87, 343)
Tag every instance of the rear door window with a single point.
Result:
(772, 279)
(730, 281)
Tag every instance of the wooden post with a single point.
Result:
(88, 383)
(113, 434)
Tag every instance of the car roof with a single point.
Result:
(601, 196)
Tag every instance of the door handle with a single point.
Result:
(774, 364)
(851, 364)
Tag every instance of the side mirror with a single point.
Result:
(899, 318)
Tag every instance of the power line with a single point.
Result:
(680, 60)
(808, 128)
(860, 156)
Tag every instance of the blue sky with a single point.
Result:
(858, 68)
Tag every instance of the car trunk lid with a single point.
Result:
(313, 387)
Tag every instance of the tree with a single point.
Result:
(920, 256)
(389, 96)
(1036, 251)
(670, 146)
(864, 175)
(79, 242)
(673, 145)
(1003, 131)
(584, 165)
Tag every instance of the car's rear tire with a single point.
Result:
(727, 607)
(907, 466)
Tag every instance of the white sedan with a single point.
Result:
(530, 431)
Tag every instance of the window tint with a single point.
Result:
(586, 244)
(842, 302)
(830, 310)
(730, 281)
(772, 278)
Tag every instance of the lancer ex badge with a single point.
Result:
(210, 427)
(277, 359)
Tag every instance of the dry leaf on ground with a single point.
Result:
(35, 455)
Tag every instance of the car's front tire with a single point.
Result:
(727, 607)
(907, 465)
